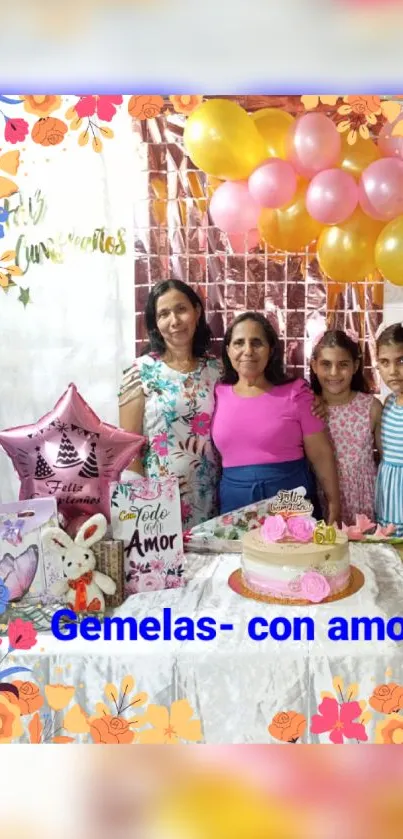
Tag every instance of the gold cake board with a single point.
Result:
(236, 583)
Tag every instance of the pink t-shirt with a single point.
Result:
(263, 429)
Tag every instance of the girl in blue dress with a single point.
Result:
(389, 485)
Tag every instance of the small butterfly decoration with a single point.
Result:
(11, 531)
(18, 572)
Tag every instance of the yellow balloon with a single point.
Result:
(356, 158)
(291, 228)
(389, 251)
(273, 125)
(346, 252)
(221, 139)
(216, 808)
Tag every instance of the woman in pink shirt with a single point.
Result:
(263, 426)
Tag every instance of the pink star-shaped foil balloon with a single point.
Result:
(72, 455)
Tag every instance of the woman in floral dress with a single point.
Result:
(168, 395)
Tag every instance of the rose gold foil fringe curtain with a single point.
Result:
(174, 237)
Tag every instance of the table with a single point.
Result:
(236, 685)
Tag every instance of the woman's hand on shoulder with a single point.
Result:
(319, 407)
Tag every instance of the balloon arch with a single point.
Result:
(289, 182)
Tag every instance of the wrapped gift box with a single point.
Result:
(110, 561)
(24, 565)
(146, 514)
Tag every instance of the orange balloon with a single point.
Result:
(389, 251)
(356, 158)
(290, 228)
(273, 125)
(346, 252)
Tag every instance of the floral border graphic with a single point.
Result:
(44, 120)
(344, 717)
(358, 114)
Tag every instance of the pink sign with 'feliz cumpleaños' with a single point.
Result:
(146, 515)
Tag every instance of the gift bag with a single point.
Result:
(25, 568)
(146, 515)
(110, 561)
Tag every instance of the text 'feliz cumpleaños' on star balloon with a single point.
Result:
(71, 455)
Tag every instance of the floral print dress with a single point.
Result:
(177, 416)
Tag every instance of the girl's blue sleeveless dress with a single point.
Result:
(389, 484)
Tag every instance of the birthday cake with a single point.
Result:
(293, 557)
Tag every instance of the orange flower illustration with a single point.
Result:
(362, 112)
(10, 722)
(184, 104)
(171, 726)
(145, 107)
(311, 102)
(42, 104)
(111, 730)
(287, 726)
(30, 699)
(9, 163)
(59, 696)
(387, 698)
(7, 272)
(49, 131)
(390, 731)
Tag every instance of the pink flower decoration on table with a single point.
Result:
(103, 106)
(339, 720)
(150, 582)
(228, 519)
(301, 528)
(15, 130)
(160, 444)
(200, 424)
(384, 532)
(314, 587)
(274, 528)
(364, 523)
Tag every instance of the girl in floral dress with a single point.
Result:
(353, 419)
(168, 395)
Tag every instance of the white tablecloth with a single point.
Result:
(234, 684)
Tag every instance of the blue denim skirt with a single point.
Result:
(243, 485)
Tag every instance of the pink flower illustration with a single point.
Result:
(339, 720)
(151, 582)
(314, 587)
(15, 130)
(186, 510)
(301, 528)
(274, 528)
(103, 106)
(173, 582)
(160, 444)
(200, 424)
(157, 564)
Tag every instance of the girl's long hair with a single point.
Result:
(337, 338)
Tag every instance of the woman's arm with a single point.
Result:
(376, 419)
(131, 417)
(320, 454)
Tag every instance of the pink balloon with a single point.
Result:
(390, 146)
(273, 184)
(380, 189)
(332, 196)
(241, 242)
(71, 455)
(313, 144)
(233, 209)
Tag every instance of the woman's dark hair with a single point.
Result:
(391, 335)
(202, 336)
(337, 338)
(274, 370)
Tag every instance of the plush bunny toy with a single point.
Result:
(82, 585)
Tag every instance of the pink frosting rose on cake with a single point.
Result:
(301, 528)
(274, 528)
(314, 587)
